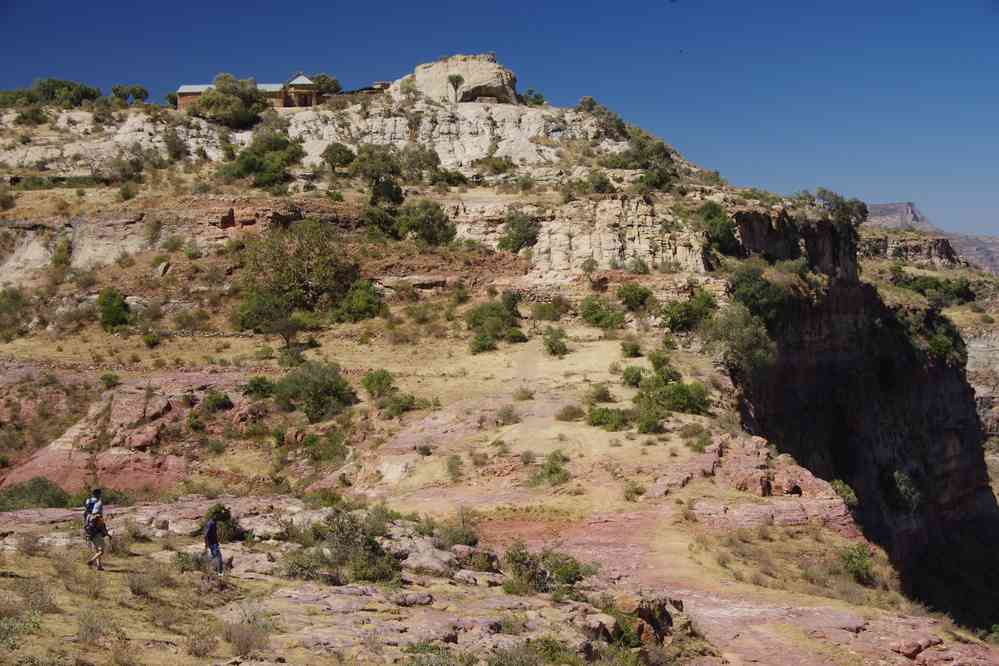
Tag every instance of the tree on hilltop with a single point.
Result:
(326, 84)
(456, 81)
(235, 103)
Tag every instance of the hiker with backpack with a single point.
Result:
(220, 514)
(95, 528)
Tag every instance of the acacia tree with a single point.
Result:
(380, 167)
(303, 265)
(237, 104)
(456, 81)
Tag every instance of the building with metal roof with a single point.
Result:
(299, 91)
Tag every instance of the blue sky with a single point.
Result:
(883, 100)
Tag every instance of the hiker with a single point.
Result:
(212, 536)
(95, 528)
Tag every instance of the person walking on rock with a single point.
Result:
(212, 537)
(95, 528)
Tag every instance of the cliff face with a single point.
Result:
(611, 230)
(852, 397)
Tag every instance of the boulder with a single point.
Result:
(483, 80)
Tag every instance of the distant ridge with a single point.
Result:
(980, 250)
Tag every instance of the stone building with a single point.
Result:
(299, 91)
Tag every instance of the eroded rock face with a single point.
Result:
(482, 78)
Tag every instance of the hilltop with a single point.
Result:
(482, 380)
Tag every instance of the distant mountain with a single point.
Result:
(980, 250)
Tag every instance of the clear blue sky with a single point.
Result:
(882, 99)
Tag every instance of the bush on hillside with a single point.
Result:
(686, 315)
(427, 221)
(362, 301)
(747, 347)
(112, 308)
(519, 231)
(600, 313)
(634, 296)
(266, 159)
(719, 229)
(317, 389)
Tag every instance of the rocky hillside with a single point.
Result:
(480, 381)
(980, 250)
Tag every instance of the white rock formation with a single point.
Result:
(481, 77)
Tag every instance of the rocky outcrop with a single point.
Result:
(776, 235)
(482, 79)
(982, 251)
(935, 251)
(612, 231)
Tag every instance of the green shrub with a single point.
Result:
(609, 418)
(13, 313)
(638, 266)
(109, 380)
(634, 296)
(632, 375)
(378, 383)
(112, 308)
(747, 347)
(553, 311)
(362, 301)
(719, 229)
(772, 303)
(151, 339)
(346, 550)
(259, 387)
(631, 348)
(267, 159)
(519, 231)
(515, 335)
(940, 292)
(555, 341)
(552, 471)
(858, 563)
(844, 490)
(686, 315)
(548, 571)
(37, 492)
(662, 397)
(598, 312)
(481, 342)
(317, 388)
(493, 319)
(663, 367)
(215, 401)
(427, 221)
